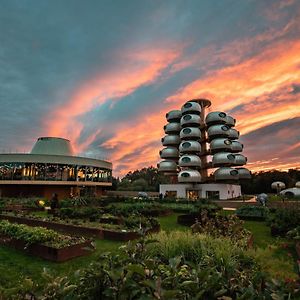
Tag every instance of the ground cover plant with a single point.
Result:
(252, 212)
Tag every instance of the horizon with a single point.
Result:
(103, 75)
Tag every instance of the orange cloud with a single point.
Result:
(138, 68)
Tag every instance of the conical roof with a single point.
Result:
(52, 146)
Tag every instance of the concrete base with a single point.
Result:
(222, 191)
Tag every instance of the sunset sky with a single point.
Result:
(104, 73)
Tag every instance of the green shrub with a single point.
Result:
(252, 211)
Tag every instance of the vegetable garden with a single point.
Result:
(201, 252)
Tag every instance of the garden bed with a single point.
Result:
(47, 252)
(100, 233)
(72, 229)
(188, 219)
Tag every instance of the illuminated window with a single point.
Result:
(227, 142)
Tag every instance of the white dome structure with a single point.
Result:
(52, 146)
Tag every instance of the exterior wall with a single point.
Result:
(226, 191)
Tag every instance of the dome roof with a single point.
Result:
(52, 146)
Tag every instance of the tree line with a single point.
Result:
(149, 179)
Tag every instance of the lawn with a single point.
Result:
(15, 266)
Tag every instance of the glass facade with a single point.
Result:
(53, 172)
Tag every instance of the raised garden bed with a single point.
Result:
(47, 252)
(100, 233)
(71, 229)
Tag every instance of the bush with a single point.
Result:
(284, 220)
(252, 212)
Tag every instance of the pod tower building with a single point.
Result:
(196, 142)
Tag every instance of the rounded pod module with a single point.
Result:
(244, 173)
(216, 117)
(170, 140)
(173, 116)
(215, 131)
(233, 134)
(190, 147)
(190, 120)
(223, 159)
(240, 160)
(236, 146)
(297, 184)
(190, 161)
(190, 133)
(230, 121)
(188, 176)
(278, 185)
(226, 173)
(191, 108)
(173, 128)
(167, 166)
(169, 152)
(218, 145)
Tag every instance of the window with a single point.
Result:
(186, 145)
(187, 130)
(234, 172)
(225, 128)
(185, 174)
(188, 105)
(227, 142)
(187, 117)
(186, 159)
(222, 115)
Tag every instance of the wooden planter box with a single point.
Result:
(298, 249)
(68, 228)
(48, 253)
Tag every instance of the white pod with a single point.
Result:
(190, 133)
(189, 160)
(167, 166)
(278, 185)
(173, 115)
(244, 173)
(190, 120)
(169, 152)
(223, 159)
(218, 145)
(172, 128)
(191, 107)
(216, 117)
(218, 131)
(226, 173)
(189, 176)
(170, 140)
(190, 147)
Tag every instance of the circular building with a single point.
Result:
(51, 167)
